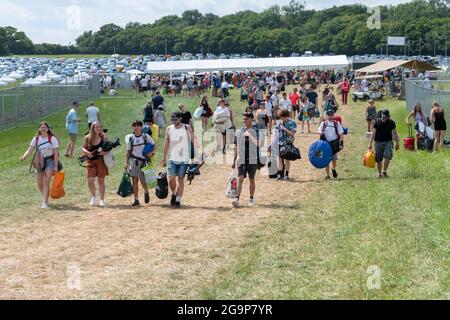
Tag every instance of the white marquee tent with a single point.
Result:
(260, 64)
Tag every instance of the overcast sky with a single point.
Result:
(59, 21)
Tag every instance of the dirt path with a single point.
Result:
(151, 252)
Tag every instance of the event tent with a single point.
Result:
(387, 65)
(260, 64)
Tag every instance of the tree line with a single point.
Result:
(278, 30)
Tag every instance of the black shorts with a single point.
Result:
(249, 169)
(296, 108)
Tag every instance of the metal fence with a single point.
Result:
(23, 104)
(440, 92)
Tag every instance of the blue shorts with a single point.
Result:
(177, 169)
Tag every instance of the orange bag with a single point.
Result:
(369, 159)
(57, 190)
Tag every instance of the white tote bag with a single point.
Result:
(231, 191)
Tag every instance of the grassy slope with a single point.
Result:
(323, 249)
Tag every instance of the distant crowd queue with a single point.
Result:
(270, 119)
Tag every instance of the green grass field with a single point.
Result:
(322, 248)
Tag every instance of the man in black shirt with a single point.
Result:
(383, 132)
(157, 100)
(246, 154)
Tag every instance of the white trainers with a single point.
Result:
(235, 203)
(102, 204)
(251, 203)
(92, 203)
(44, 205)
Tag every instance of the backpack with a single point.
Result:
(335, 143)
(132, 145)
(148, 114)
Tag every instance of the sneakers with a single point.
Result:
(385, 175)
(327, 178)
(92, 203)
(136, 203)
(335, 175)
(102, 204)
(236, 203)
(177, 205)
(147, 197)
(286, 178)
(44, 205)
(251, 203)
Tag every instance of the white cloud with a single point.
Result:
(47, 21)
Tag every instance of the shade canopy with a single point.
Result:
(260, 64)
(387, 65)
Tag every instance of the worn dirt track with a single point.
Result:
(152, 252)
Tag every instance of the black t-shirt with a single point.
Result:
(186, 117)
(157, 101)
(384, 130)
(312, 96)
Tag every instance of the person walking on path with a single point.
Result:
(72, 121)
(345, 88)
(371, 115)
(92, 114)
(95, 167)
(46, 146)
(437, 118)
(332, 131)
(383, 132)
(246, 144)
(180, 140)
(135, 160)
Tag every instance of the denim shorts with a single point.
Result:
(177, 169)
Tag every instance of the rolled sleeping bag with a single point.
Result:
(320, 154)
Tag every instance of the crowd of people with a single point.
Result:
(271, 118)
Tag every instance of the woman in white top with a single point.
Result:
(419, 117)
(46, 146)
(222, 122)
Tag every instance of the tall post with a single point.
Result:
(434, 51)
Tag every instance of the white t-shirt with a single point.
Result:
(92, 114)
(179, 149)
(273, 86)
(268, 107)
(138, 144)
(225, 85)
(286, 104)
(274, 98)
(144, 82)
(330, 131)
(44, 147)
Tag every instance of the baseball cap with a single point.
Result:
(175, 116)
(330, 112)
